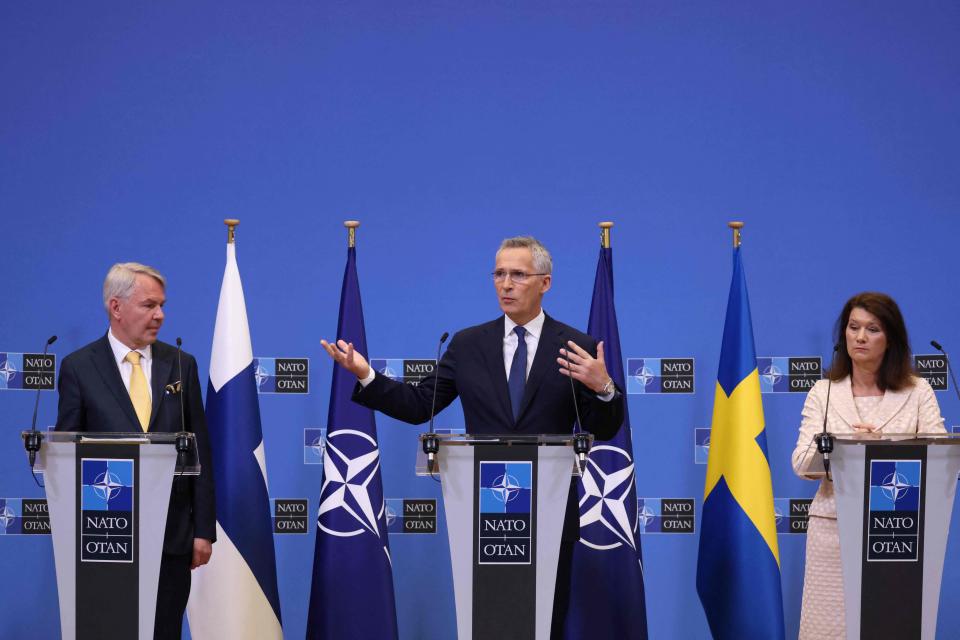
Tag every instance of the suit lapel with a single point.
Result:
(106, 367)
(842, 402)
(493, 356)
(892, 402)
(548, 349)
(159, 375)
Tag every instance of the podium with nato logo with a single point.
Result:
(894, 500)
(108, 495)
(505, 498)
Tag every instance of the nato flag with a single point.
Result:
(352, 591)
(607, 594)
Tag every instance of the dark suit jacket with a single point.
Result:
(472, 368)
(93, 398)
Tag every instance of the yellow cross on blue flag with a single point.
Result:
(738, 568)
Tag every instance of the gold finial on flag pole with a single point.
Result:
(231, 229)
(736, 226)
(351, 226)
(605, 234)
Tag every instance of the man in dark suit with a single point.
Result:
(127, 382)
(511, 374)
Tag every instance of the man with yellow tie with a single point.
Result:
(127, 381)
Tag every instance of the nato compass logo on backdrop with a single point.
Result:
(788, 374)
(701, 445)
(504, 518)
(27, 370)
(893, 534)
(314, 443)
(608, 513)
(24, 516)
(933, 368)
(410, 371)
(106, 510)
(666, 515)
(405, 515)
(660, 375)
(290, 516)
(347, 509)
(791, 514)
(282, 375)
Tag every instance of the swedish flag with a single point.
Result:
(738, 569)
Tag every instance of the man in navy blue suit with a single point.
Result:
(127, 382)
(511, 374)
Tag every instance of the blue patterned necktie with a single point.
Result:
(518, 372)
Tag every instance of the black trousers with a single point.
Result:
(173, 590)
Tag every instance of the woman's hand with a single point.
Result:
(867, 430)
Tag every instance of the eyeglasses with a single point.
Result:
(518, 277)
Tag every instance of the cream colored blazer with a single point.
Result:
(913, 409)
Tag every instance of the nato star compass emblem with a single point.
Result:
(505, 488)
(895, 486)
(772, 375)
(350, 465)
(7, 516)
(644, 376)
(608, 503)
(7, 371)
(260, 375)
(107, 485)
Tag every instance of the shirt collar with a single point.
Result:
(121, 350)
(534, 327)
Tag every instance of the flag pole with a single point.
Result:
(605, 234)
(231, 229)
(736, 226)
(351, 226)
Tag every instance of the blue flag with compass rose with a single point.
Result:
(351, 595)
(607, 595)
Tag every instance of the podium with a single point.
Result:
(107, 495)
(505, 498)
(894, 498)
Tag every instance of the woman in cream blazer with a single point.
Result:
(873, 390)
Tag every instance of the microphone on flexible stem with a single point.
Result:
(824, 439)
(581, 441)
(936, 345)
(32, 440)
(431, 444)
(182, 443)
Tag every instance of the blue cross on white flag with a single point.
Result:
(235, 595)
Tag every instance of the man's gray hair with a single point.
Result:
(542, 261)
(123, 276)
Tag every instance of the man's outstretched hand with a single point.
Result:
(344, 355)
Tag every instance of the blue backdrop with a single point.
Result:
(128, 131)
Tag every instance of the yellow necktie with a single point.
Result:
(139, 394)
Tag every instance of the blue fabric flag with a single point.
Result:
(738, 570)
(607, 595)
(235, 595)
(352, 591)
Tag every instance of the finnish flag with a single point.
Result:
(235, 595)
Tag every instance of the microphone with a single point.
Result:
(431, 444)
(824, 439)
(32, 441)
(182, 443)
(936, 345)
(581, 443)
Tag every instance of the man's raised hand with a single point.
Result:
(344, 355)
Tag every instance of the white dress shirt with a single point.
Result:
(531, 337)
(120, 352)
